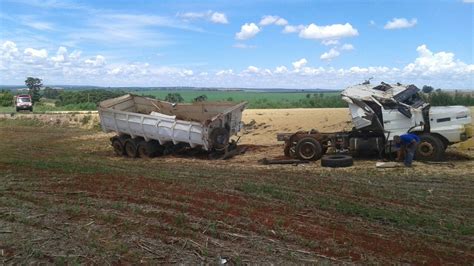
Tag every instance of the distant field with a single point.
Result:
(255, 99)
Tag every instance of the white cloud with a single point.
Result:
(468, 1)
(8, 50)
(429, 63)
(400, 23)
(347, 47)
(33, 53)
(330, 42)
(300, 63)
(214, 17)
(217, 17)
(97, 61)
(252, 69)
(269, 20)
(247, 31)
(292, 29)
(335, 31)
(61, 55)
(243, 46)
(280, 70)
(331, 54)
(225, 72)
(372, 23)
(440, 69)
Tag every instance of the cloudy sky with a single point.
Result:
(246, 43)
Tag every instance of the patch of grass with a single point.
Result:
(266, 190)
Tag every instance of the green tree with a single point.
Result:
(34, 85)
(50, 93)
(427, 89)
(6, 98)
(201, 98)
(174, 98)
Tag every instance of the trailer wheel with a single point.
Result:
(430, 148)
(149, 149)
(337, 160)
(219, 138)
(308, 149)
(117, 144)
(131, 148)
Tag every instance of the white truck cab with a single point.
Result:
(396, 109)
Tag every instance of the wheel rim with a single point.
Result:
(307, 150)
(426, 149)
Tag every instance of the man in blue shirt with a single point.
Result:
(407, 144)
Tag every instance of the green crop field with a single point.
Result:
(255, 99)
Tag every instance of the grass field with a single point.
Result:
(65, 198)
(255, 99)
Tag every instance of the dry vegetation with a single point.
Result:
(65, 198)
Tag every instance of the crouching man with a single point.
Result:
(407, 144)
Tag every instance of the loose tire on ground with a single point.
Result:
(430, 148)
(309, 149)
(337, 160)
(131, 148)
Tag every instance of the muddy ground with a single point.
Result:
(66, 198)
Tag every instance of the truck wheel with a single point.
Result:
(308, 149)
(131, 148)
(338, 160)
(430, 148)
(149, 149)
(17, 110)
(118, 147)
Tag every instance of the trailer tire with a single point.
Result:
(149, 149)
(309, 149)
(219, 138)
(117, 145)
(430, 148)
(130, 148)
(337, 160)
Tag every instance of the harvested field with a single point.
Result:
(66, 198)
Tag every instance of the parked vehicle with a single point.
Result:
(23, 102)
(378, 114)
(147, 127)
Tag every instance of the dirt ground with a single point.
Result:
(66, 198)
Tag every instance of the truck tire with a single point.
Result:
(117, 145)
(130, 148)
(337, 160)
(308, 149)
(430, 148)
(149, 149)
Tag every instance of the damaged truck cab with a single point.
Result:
(383, 111)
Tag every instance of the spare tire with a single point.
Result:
(337, 160)
(219, 138)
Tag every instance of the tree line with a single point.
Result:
(88, 99)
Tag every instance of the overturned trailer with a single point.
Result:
(380, 112)
(148, 127)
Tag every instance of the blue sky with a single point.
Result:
(290, 44)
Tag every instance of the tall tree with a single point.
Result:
(34, 85)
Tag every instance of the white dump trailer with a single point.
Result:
(147, 127)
